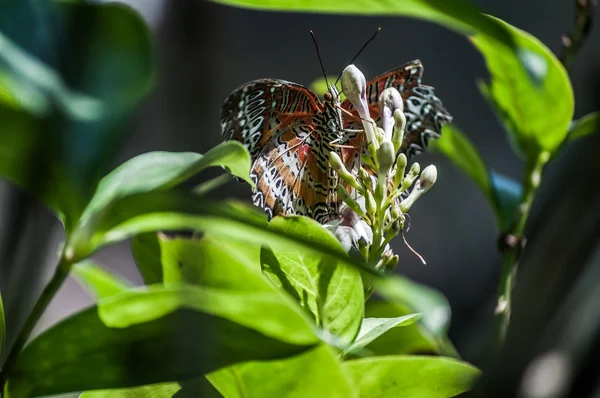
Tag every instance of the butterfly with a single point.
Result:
(289, 132)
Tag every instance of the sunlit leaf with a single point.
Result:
(320, 87)
(411, 376)
(316, 373)
(172, 333)
(534, 103)
(98, 281)
(331, 292)
(585, 126)
(162, 390)
(372, 328)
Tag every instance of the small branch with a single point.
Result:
(60, 274)
(572, 42)
(511, 244)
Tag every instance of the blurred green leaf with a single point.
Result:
(105, 54)
(459, 15)
(152, 391)
(163, 170)
(410, 339)
(372, 328)
(173, 333)
(587, 125)
(316, 373)
(2, 326)
(418, 298)
(205, 262)
(507, 195)
(146, 253)
(411, 376)
(534, 103)
(320, 87)
(456, 146)
(331, 292)
(98, 281)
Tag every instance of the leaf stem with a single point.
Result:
(572, 42)
(60, 274)
(512, 242)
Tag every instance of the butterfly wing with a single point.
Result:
(424, 112)
(275, 120)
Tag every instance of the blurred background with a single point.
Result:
(205, 50)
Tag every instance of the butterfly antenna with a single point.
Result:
(361, 50)
(320, 60)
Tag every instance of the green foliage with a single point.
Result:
(411, 376)
(102, 283)
(588, 124)
(151, 391)
(523, 98)
(315, 373)
(2, 325)
(331, 292)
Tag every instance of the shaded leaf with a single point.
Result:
(456, 146)
(372, 328)
(522, 98)
(316, 373)
(459, 15)
(152, 391)
(98, 281)
(584, 126)
(507, 195)
(410, 339)
(411, 376)
(177, 333)
(331, 292)
(146, 253)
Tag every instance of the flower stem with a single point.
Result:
(60, 274)
(512, 242)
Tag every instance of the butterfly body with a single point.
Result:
(289, 132)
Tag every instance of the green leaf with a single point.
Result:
(106, 55)
(455, 145)
(98, 281)
(459, 15)
(316, 373)
(418, 298)
(411, 376)
(146, 253)
(507, 195)
(163, 170)
(331, 292)
(177, 333)
(587, 125)
(2, 326)
(534, 103)
(152, 391)
(372, 328)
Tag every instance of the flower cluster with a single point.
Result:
(374, 211)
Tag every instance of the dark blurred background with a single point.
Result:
(204, 51)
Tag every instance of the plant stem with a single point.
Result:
(511, 244)
(60, 274)
(572, 42)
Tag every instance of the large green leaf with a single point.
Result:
(105, 54)
(459, 15)
(98, 281)
(316, 373)
(331, 292)
(534, 103)
(171, 333)
(163, 170)
(372, 328)
(411, 376)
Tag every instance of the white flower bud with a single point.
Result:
(428, 178)
(400, 169)
(390, 100)
(399, 125)
(354, 86)
(385, 157)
